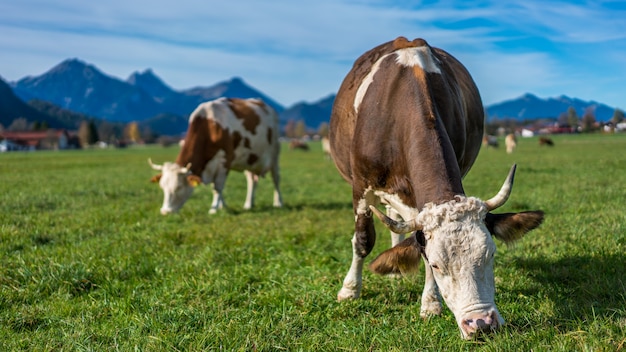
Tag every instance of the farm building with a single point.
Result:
(38, 140)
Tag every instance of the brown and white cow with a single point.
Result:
(406, 126)
(223, 135)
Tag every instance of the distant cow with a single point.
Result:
(223, 135)
(511, 143)
(490, 141)
(546, 141)
(406, 126)
(326, 147)
(298, 144)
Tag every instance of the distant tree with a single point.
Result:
(618, 116)
(83, 134)
(562, 119)
(51, 141)
(323, 129)
(131, 132)
(19, 124)
(40, 126)
(300, 130)
(572, 117)
(290, 129)
(109, 132)
(589, 120)
(148, 135)
(87, 133)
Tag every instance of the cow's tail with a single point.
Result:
(402, 259)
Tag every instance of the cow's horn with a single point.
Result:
(499, 199)
(155, 166)
(399, 227)
(186, 169)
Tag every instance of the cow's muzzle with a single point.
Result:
(480, 323)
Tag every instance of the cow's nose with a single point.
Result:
(480, 323)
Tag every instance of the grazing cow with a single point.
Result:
(406, 126)
(298, 144)
(223, 135)
(490, 141)
(326, 147)
(511, 142)
(546, 141)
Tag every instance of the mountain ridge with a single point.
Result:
(81, 87)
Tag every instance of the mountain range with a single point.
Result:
(82, 88)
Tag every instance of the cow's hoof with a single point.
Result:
(430, 310)
(346, 293)
(212, 211)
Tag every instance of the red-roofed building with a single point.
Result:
(38, 140)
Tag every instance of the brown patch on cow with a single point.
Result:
(510, 227)
(237, 138)
(156, 178)
(246, 143)
(205, 137)
(427, 102)
(252, 159)
(259, 103)
(270, 134)
(244, 112)
(365, 234)
(404, 259)
(402, 43)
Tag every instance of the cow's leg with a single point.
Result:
(252, 182)
(362, 243)
(218, 188)
(431, 300)
(278, 200)
(395, 237)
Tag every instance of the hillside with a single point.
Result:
(531, 107)
(82, 88)
(12, 107)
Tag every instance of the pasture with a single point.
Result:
(87, 262)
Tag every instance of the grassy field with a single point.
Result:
(87, 262)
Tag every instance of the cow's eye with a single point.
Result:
(434, 266)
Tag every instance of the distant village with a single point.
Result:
(33, 138)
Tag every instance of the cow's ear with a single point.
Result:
(401, 259)
(510, 227)
(155, 178)
(194, 180)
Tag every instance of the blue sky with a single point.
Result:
(301, 50)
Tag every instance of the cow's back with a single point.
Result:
(462, 118)
(244, 132)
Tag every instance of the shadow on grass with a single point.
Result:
(580, 286)
(291, 207)
(319, 206)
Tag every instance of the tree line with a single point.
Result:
(569, 120)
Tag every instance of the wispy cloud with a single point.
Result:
(301, 50)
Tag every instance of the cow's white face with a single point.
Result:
(460, 252)
(176, 186)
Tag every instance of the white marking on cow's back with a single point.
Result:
(418, 56)
(369, 78)
(219, 110)
(414, 56)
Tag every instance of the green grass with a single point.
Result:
(87, 263)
